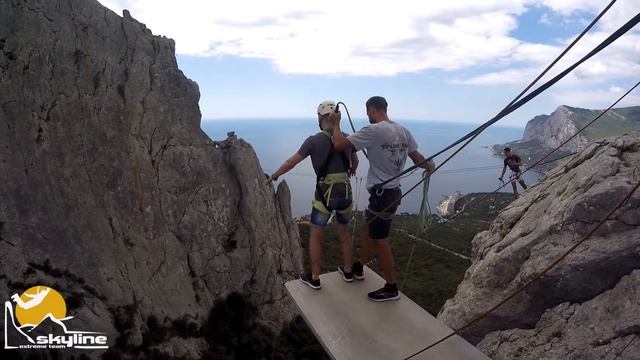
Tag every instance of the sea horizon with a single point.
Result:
(345, 122)
(431, 136)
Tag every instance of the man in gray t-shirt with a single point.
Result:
(388, 145)
(333, 169)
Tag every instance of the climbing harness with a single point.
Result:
(337, 192)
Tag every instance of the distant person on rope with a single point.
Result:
(333, 193)
(388, 145)
(514, 162)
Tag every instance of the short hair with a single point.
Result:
(507, 149)
(377, 102)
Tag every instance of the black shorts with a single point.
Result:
(380, 227)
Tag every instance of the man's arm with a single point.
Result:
(286, 166)
(340, 142)
(418, 158)
(504, 169)
(354, 163)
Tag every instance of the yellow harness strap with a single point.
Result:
(332, 179)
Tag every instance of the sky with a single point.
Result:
(455, 61)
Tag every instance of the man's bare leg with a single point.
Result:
(315, 250)
(346, 246)
(366, 245)
(386, 259)
(515, 189)
(524, 186)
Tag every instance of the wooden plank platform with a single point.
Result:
(350, 326)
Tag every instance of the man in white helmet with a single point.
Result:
(333, 193)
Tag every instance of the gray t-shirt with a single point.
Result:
(318, 146)
(388, 144)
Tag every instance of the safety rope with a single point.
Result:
(515, 104)
(626, 346)
(537, 163)
(526, 285)
(353, 128)
(354, 212)
(448, 171)
(471, 136)
(424, 221)
(424, 217)
(540, 161)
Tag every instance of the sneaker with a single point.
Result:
(388, 292)
(347, 276)
(308, 279)
(357, 270)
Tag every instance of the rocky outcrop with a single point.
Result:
(111, 193)
(447, 206)
(544, 133)
(535, 229)
(552, 130)
(602, 328)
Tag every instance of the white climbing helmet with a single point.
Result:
(326, 107)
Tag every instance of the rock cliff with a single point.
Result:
(552, 130)
(111, 192)
(546, 132)
(588, 304)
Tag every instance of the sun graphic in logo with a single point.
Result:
(36, 303)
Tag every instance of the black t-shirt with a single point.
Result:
(511, 162)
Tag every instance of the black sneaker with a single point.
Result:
(308, 279)
(357, 270)
(388, 292)
(347, 276)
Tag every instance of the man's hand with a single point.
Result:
(352, 172)
(273, 178)
(430, 166)
(334, 118)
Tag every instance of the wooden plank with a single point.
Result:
(350, 326)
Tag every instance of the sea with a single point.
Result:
(472, 170)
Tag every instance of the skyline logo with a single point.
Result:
(38, 323)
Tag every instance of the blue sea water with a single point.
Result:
(275, 140)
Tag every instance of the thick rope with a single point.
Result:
(516, 105)
(522, 288)
(424, 221)
(540, 161)
(482, 127)
(626, 346)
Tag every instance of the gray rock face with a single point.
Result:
(544, 133)
(602, 328)
(537, 228)
(552, 130)
(111, 193)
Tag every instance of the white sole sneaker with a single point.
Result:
(385, 299)
(344, 277)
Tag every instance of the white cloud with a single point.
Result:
(545, 19)
(335, 37)
(597, 99)
(382, 38)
